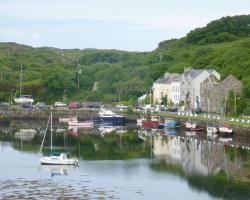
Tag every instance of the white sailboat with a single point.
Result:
(224, 128)
(23, 98)
(55, 158)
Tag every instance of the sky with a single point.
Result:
(133, 25)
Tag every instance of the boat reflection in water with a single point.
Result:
(57, 170)
(105, 129)
(25, 134)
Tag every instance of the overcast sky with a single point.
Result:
(135, 25)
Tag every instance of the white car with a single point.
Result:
(60, 104)
(121, 107)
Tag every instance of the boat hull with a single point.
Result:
(109, 120)
(55, 161)
(80, 124)
(170, 124)
(225, 130)
(150, 123)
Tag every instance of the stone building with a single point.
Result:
(213, 93)
(191, 80)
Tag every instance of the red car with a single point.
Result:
(74, 105)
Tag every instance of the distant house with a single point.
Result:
(191, 81)
(213, 94)
(163, 87)
(142, 98)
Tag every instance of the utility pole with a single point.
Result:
(21, 80)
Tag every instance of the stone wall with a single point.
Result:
(213, 93)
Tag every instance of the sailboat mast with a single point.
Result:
(21, 79)
(51, 142)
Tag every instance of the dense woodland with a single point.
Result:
(51, 73)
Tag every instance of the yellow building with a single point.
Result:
(163, 87)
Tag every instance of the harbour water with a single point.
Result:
(121, 163)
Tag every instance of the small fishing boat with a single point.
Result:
(74, 122)
(153, 121)
(170, 123)
(55, 158)
(141, 119)
(211, 129)
(190, 125)
(225, 129)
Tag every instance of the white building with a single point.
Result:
(191, 81)
(176, 90)
(163, 87)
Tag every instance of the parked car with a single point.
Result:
(41, 105)
(74, 105)
(4, 104)
(121, 107)
(93, 106)
(172, 109)
(26, 105)
(138, 106)
(163, 108)
(60, 104)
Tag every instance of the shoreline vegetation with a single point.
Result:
(51, 74)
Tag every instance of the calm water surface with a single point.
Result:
(121, 163)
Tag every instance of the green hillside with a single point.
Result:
(223, 45)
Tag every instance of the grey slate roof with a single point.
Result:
(193, 73)
(169, 79)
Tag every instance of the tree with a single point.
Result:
(164, 100)
(58, 79)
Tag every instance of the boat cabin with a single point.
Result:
(155, 118)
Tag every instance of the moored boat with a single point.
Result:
(225, 129)
(107, 116)
(153, 121)
(74, 122)
(141, 119)
(58, 158)
(55, 158)
(190, 125)
(211, 129)
(170, 122)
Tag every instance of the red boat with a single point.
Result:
(153, 121)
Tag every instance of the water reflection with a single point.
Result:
(222, 171)
(57, 170)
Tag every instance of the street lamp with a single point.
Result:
(64, 91)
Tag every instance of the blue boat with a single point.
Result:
(108, 117)
(169, 122)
